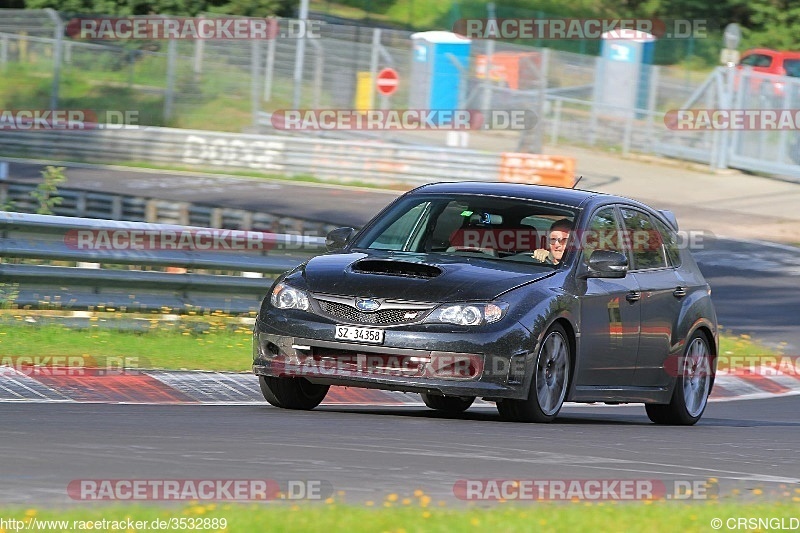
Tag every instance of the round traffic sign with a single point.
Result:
(732, 35)
(387, 81)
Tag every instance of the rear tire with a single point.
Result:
(549, 384)
(692, 387)
(292, 393)
(447, 404)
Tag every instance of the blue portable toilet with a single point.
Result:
(436, 80)
(623, 79)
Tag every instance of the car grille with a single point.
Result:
(383, 317)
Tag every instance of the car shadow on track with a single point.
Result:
(488, 414)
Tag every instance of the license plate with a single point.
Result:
(350, 333)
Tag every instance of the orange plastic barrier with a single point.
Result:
(539, 169)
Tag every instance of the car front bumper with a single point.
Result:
(488, 361)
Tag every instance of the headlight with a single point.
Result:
(469, 314)
(286, 297)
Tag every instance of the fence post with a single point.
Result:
(197, 66)
(116, 207)
(655, 71)
(727, 103)
(59, 36)
(556, 122)
(151, 211)
(319, 52)
(486, 102)
(4, 51)
(373, 65)
(255, 77)
(299, 56)
(80, 204)
(169, 97)
(268, 68)
(627, 133)
(3, 182)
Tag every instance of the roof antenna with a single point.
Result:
(576, 181)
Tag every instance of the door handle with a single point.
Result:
(679, 292)
(633, 296)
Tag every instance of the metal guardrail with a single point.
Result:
(111, 265)
(288, 156)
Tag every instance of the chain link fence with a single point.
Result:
(235, 85)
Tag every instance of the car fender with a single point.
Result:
(551, 307)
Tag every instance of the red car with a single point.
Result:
(766, 61)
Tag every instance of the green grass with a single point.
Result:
(219, 344)
(574, 517)
(215, 342)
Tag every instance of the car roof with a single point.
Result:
(770, 52)
(561, 195)
(558, 195)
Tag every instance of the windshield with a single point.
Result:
(477, 226)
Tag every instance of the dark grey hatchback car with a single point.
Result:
(523, 295)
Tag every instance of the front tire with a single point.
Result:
(447, 404)
(292, 393)
(692, 387)
(549, 383)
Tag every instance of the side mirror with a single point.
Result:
(337, 239)
(606, 264)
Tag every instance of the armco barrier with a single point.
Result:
(289, 156)
(284, 155)
(116, 274)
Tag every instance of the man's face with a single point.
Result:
(558, 243)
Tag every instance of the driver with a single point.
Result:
(557, 239)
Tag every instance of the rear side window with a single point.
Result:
(792, 67)
(670, 240)
(645, 242)
(757, 60)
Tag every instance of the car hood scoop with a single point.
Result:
(396, 268)
(423, 278)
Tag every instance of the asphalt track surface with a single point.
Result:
(332, 204)
(370, 452)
